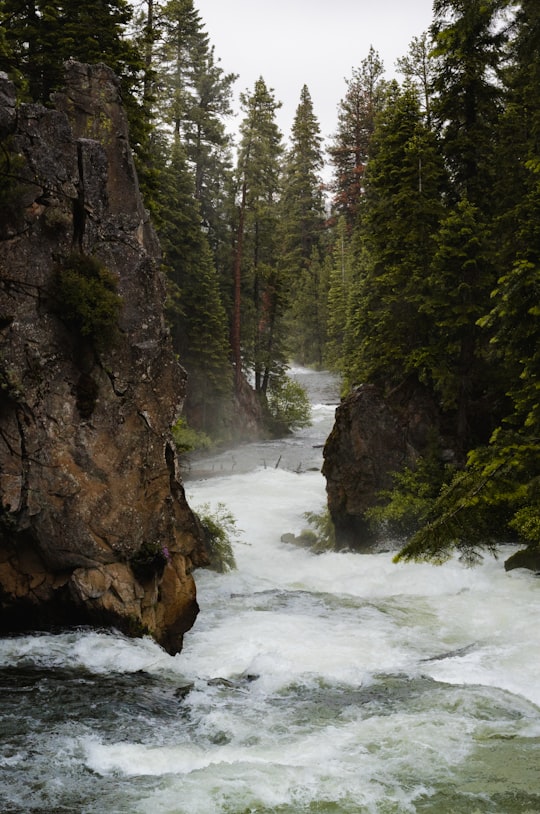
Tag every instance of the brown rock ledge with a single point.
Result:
(94, 525)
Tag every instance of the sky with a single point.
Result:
(291, 43)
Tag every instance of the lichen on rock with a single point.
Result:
(88, 476)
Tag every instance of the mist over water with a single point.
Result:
(328, 684)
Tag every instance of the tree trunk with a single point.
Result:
(149, 40)
(237, 306)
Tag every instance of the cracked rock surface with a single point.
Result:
(94, 525)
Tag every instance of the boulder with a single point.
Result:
(372, 438)
(528, 558)
(89, 484)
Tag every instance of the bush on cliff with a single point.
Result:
(186, 439)
(87, 299)
(220, 531)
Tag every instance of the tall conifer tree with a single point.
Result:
(417, 66)
(496, 496)
(301, 234)
(196, 312)
(259, 290)
(401, 211)
(194, 99)
(340, 281)
(350, 149)
(468, 42)
(458, 293)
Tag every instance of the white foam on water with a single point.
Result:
(392, 617)
(362, 760)
(339, 679)
(101, 652)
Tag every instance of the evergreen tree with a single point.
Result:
(458, 292)
(302, 220)
(206, 138)
(181, 43)
(497, 495)
(193, 100)
(417, 66)
(387, 332)
(195, 94)
(196, 313)
(468, 40)
(259, 288)
(514, 321)
(340, 278)
(350, 150)
(42, 35)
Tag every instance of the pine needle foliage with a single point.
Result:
(406, 506)
(485, 504)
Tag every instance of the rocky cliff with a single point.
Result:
(372, 438)
(94, 526)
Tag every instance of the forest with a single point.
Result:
(415, 268)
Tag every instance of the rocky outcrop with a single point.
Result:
(94, 526)
(528, 558)
(372, 437)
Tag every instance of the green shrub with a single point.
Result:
(220, 531)
(186, 439)
(86, 298)
(288, 404)
(149, 561)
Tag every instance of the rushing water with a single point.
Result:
(326, 684)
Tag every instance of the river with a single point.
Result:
(310, 684)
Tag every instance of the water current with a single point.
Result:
(310, 684)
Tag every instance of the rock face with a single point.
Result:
(525, 558)
(94, 526)
(371, 439)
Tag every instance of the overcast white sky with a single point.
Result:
(314, 42)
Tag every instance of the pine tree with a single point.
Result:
(27, 27)
(301, 232)
(206, 137)
(194, 99)
(340, 278)
(42, 35)
(417, 66)
(307, 313)
(196, 313)
(350, 149)
(387, 333)
(181, 39)
(259, 290)
(514, 321)
(496, 495)
(195, 93)
(458, 292)
(468, 40)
